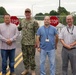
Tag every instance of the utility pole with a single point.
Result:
(59, 3)
(59, 6)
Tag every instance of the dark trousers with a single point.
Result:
(68, 55)
(5, 55)
(28, 56)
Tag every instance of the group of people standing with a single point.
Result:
(44, 38)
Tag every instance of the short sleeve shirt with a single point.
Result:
(68, 37)
(49, 32)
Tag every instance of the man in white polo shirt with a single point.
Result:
(8, 35)
(68, 40)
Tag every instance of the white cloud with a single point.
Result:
(17, 7)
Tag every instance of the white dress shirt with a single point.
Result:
(69, 36)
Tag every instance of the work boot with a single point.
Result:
(33, 72)
(24, 72)
(12, 73)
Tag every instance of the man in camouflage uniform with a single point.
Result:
(29, 27)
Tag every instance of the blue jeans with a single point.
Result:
(5, 55)
(51, 57)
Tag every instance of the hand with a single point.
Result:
(68, 46)
(72, 45)
(56, 47)
(35, 45)
(9, 42)
(38, 49)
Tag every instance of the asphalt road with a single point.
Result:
(19, 67)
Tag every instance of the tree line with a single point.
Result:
(60, 13)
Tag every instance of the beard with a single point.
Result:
(47, 24)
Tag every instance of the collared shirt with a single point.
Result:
(70, 29)
(68, 34)
(8, 32)
(47, 33)
(29, 28)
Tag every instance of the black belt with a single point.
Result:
(69, 49)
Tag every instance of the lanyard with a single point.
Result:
(47, 33)
(71, 31)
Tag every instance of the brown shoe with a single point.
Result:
(33, 73)
(12, 73)
(24, 72)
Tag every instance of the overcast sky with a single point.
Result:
(17, 7)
